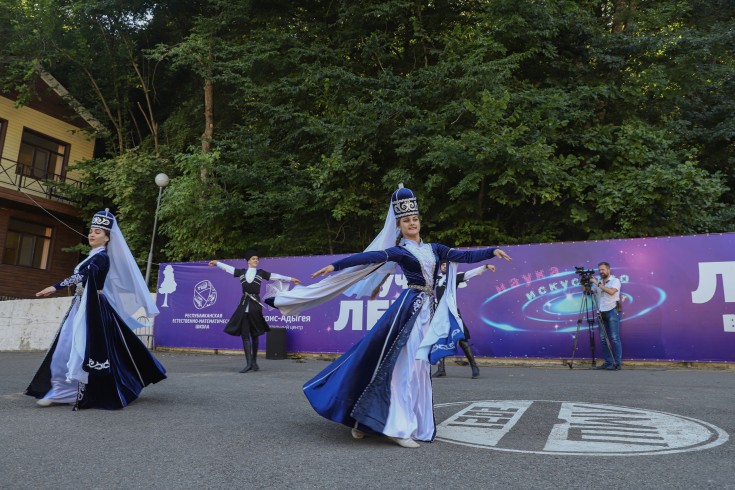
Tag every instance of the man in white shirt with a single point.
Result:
(247, 321)
(607, 292)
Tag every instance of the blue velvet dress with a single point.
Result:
(378, 386)
(95, 360)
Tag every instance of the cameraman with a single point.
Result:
(607, 291)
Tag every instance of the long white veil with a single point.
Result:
(125, 287)
(357, 281)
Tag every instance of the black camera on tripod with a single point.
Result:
(585, 276)
(588, 310)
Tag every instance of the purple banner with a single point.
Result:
(679, 302)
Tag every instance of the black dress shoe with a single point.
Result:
(618, 367)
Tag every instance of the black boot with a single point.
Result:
(255, 354)
(471, 358)
(248, 356)
(440, 371)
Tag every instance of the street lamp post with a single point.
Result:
(162, 181)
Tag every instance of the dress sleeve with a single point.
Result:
(72, 280)
(97, 262)
(278, 277)
(464, 256)
(365, 258)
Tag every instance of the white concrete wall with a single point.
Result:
(30, 324)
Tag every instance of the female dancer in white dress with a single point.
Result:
(96, 360)
(382, 385)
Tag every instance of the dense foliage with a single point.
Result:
(514, 121)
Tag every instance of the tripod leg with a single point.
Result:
(574, 347)
(591, 330)
(582, 308)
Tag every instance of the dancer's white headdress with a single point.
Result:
(358, 281)
(124, 288)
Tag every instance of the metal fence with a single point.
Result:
(145, 333)
(33, 181)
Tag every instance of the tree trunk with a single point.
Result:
(208, 115)
(622, 14)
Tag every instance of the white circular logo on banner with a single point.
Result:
(574, 428)
(204, 294)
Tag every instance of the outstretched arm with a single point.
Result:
(364, 258)
(278, 277)
(499, 253)
(475, 272)
(46, 292)
(227, 268)
(470, 256)
(79, 277)
(323, 271)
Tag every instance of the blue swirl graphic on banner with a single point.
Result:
(563, 305)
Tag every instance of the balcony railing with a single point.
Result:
(34, 181)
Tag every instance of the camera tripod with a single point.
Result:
(588, 310)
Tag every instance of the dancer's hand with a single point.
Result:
(295, 281)
(323, 271)
(46, 292)
(489, 267)
(501, 254)
(212, 263)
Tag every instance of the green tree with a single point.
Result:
(515, 122)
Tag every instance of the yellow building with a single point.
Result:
(38, 143)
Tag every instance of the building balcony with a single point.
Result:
(34, 181)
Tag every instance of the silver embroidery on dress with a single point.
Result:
(99, 366)
(71, 280)
(418, 303)
(425, 255)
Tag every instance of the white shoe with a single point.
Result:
(404, 442)
(44, 402)
(357, 434)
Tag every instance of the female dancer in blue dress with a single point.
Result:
(95, 360)
(382, 385)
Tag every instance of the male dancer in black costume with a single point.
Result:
(248, 321)
(441, 286)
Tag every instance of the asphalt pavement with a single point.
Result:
(208, 426)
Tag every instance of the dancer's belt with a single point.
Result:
(251, 296)
(424, 289)
(80, 290)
